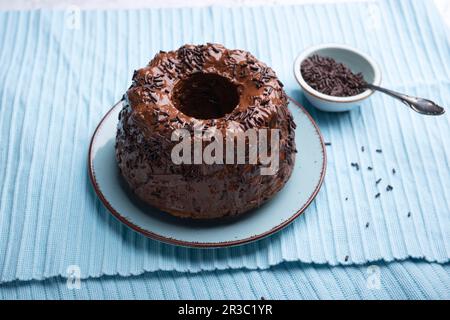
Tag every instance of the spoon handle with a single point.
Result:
(419, 105)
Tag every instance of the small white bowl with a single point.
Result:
(355, 60)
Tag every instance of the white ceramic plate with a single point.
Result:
(274, 215)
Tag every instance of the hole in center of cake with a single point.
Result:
(205, 96)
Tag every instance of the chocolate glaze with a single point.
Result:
(151, 113)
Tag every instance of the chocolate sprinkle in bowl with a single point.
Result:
(332, 76)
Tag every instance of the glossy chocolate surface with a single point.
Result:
(162, 98)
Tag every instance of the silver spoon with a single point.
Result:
(419, 105)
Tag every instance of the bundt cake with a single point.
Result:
(199, 88)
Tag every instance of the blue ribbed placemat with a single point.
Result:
(56, 83)
(292, 280)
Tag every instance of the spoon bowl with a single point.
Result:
(420, 105)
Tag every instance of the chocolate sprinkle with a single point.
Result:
(327, 76)
(377, 195)
(389, 188)
(150, 114)
(379, 151)
(378, 181)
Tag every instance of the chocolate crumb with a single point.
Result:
(393, 171)
(377, 195)
(367, 225)
(369, 168)
(262, 298)
(362, 149)
(409, 214)
(378, 181)
(389, 188)
(346, 198)
(346, 258)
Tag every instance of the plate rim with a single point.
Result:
(191, 244)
